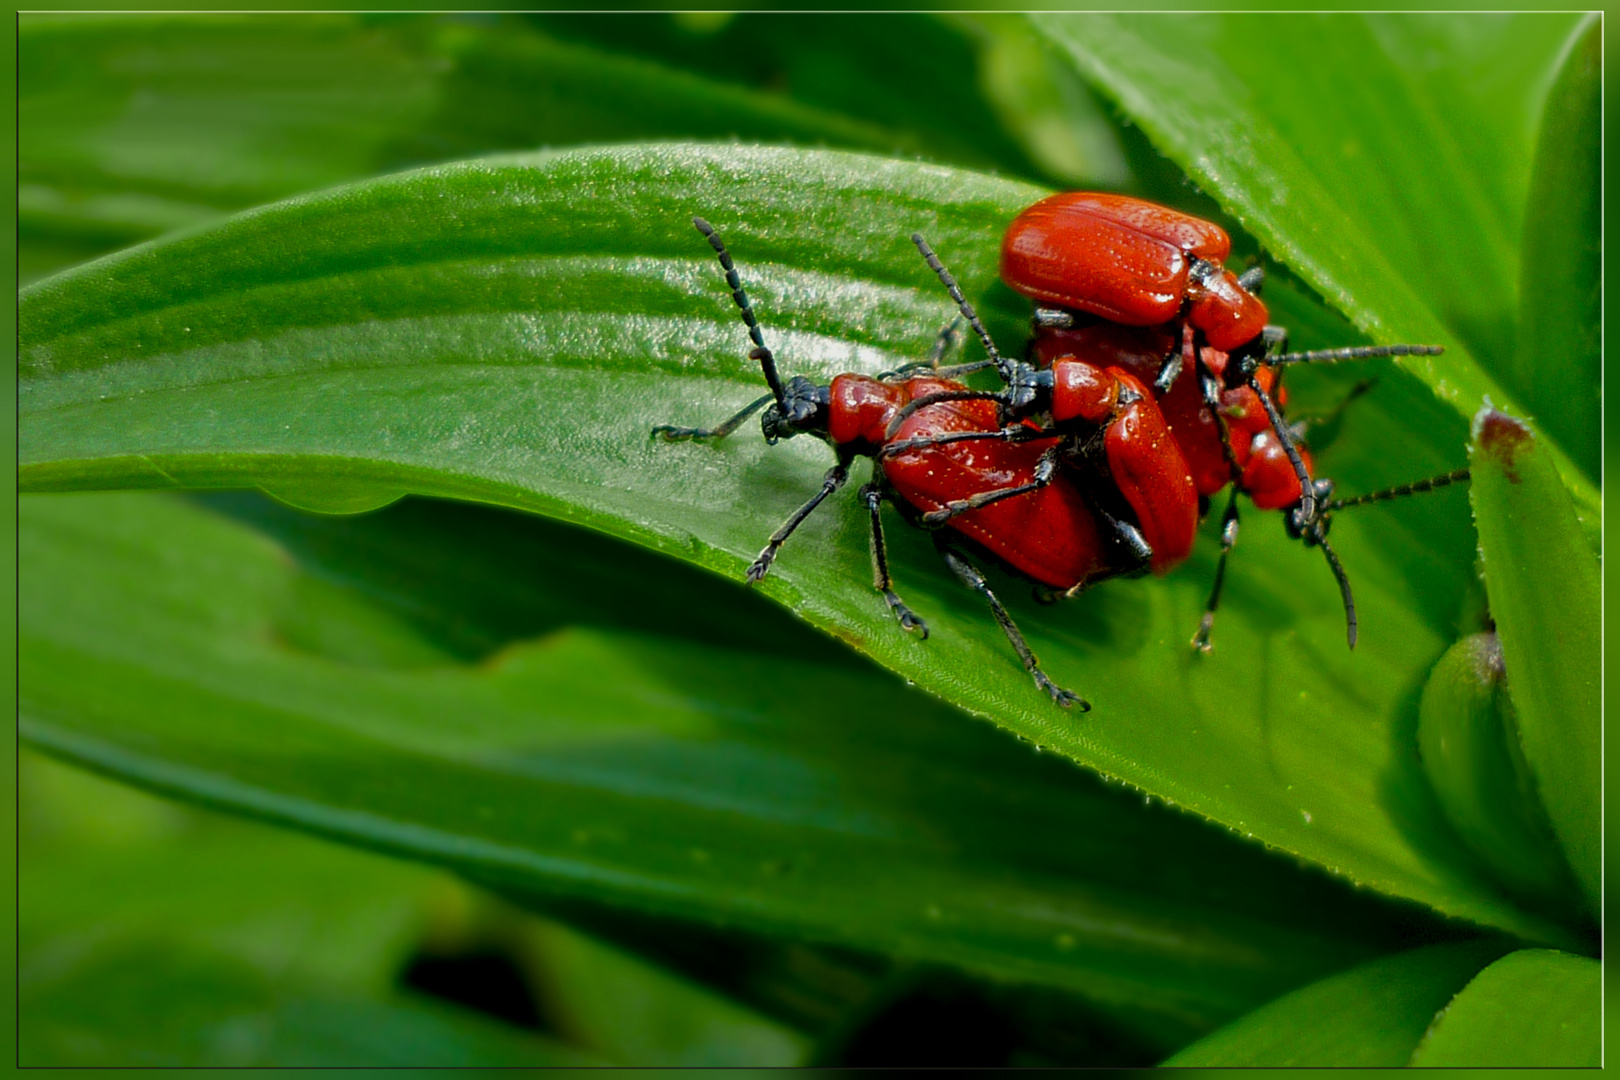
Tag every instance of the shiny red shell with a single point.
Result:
(1140, 350)
(1148, 468)
(1131, 262)
(1049, 535)
(1144, 459)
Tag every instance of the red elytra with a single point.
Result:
(1049, 535)
(1113, 438)
(1131, 262)
(1145, 462)
(1077, 355)
(1163, 456)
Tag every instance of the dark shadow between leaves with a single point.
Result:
(474, 579)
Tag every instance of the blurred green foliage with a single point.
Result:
(684, 827)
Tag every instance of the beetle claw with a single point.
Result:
(1065, 698)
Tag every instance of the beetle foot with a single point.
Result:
(945, 513)
(762, 565)
(1065, 698)
(909, 620)
(671, 433)
(1200, 640)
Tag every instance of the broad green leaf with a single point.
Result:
(510, 330)
(593, 752)
(1385, 160)
(1371, 1016)
(1543, 583)
(1557, 365)
(1535, 1008)
(133, 125)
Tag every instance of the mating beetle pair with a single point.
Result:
(1215, 379)
(1098, 458)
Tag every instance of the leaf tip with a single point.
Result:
(1501, 438)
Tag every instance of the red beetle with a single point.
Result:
(1139, 265)
(1204, 349)
(1165, 452)
(1053, 536)
(1231, 443)
(1212, 441)
(1111, 433)
(1131, 262)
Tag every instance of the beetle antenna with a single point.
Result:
(1307, 489)
(760, 351)
(1344, 590)
(936, 398)
(963, 306)
(1416, 487)
(1357, 352)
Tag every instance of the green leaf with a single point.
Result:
(218, 1013)
(132, 125)
(1386, 162)
(510, 330)
(109, 872)
(1534, 1008)
(1468, 737)
(575, 743)
(1557, 365)
(1370, 1016)
(148, 936)
(628, 1010)
(1046, 106)
(880, 69)
(1544, 583)
(284, 906)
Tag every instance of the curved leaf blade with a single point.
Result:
(510, 330)
(135, 124)
(1557, 367)
(1388, 166)
(1371, 1016)
(1544, 585)
(279, 920)
(151, 935)
(1535, 1008)
(592, 751)
(1468, 738)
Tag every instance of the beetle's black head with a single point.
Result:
(1028, 391)
(1312, 530)
(803, 408)
(1246, 359)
